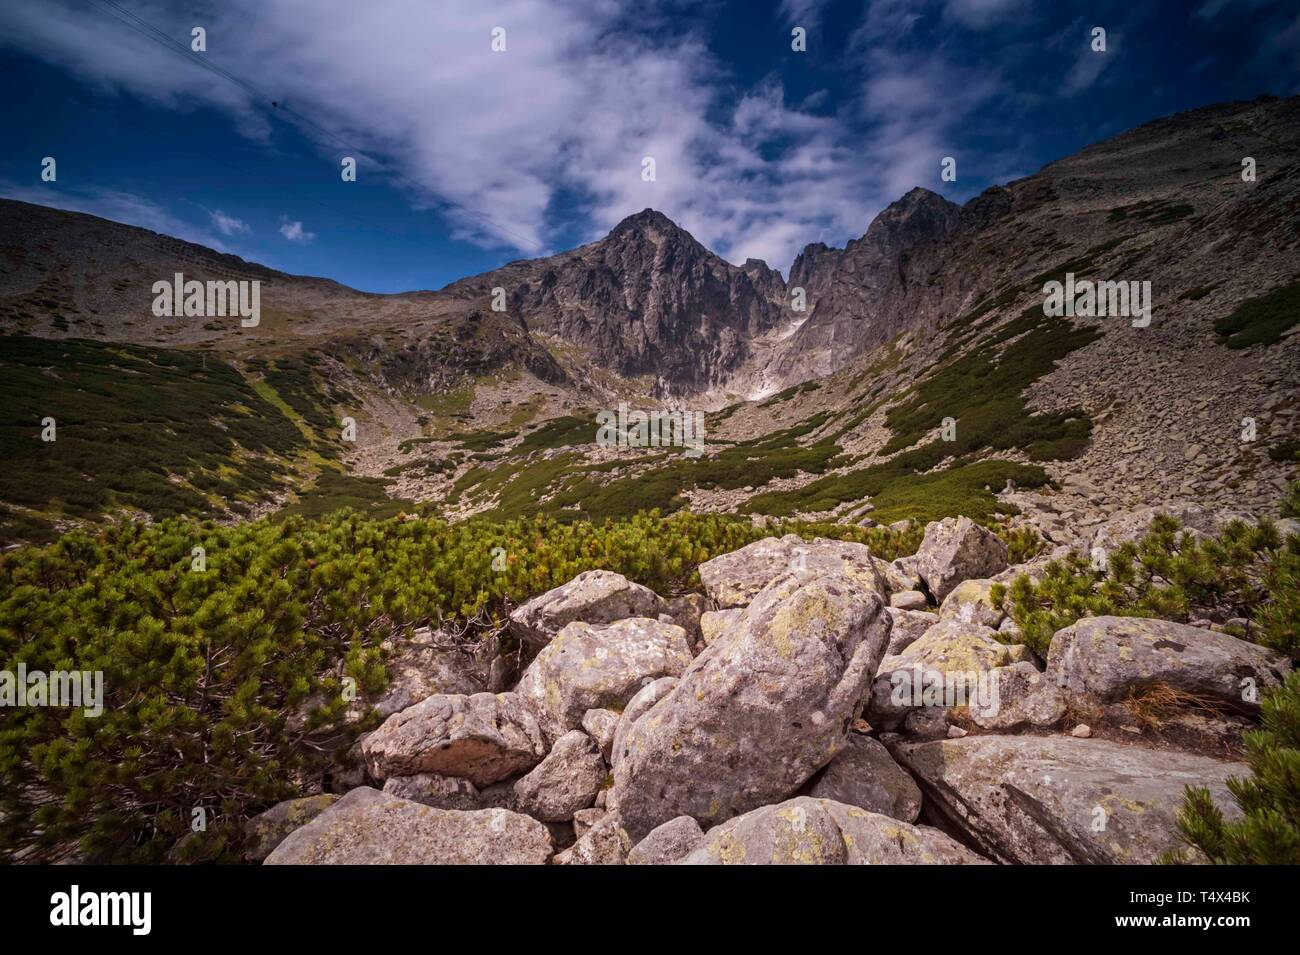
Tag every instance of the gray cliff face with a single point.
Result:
(857, 296)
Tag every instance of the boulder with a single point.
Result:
(715, 623)
(971, 601)
(669, 843)
(483, 738)
(686, 611)
(584, 819)
(863, 774)
(1133, 525)
(904, 574)
(564, 782)
(367, 827)
(1104, 659)
(646, 697)
(441, 792)
(908, 600)
(807, 831)
(758, 712)
(908, 626)
(734, 579)
(601, 725)
(599, 666)
(1024, 698)
(605, 843)
(267, 830)
(1057, 799)
(957, 651)
(596, 596)
(957, 549)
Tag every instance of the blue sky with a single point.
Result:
(470, 158)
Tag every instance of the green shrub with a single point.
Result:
(204, 671)
(1246, 572)
(1262, 320)
(1268, 833)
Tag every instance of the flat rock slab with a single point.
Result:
(734, 579)
(806, 831)
(367, 827)
(1103, 659)
(1059, 800)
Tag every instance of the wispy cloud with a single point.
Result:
(294, 232)
(227, 225)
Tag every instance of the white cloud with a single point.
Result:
(294, 232)
(505, 144)
(227, 225)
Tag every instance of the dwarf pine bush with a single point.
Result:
(1245, 573)
(1268, 832)
(220, 682)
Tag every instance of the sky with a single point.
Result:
(469, 156)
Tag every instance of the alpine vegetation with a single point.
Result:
(610, 443)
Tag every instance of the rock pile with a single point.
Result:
(818, 705)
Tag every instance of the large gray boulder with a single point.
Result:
(957, 549)
(1104, 659)
(807, 831)
(734, 579)
(863, 774)
(564, 782)
(760, 710)
(367, 827)
(595, 596)
(592, 667)
(1058, 799)
(668, 843)
(484, 738)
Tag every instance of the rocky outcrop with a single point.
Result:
(484, 738)
(806, 831)
(1104, 659)
(596, 596)
(760, 711)
(367, 827)
(1058, 799)
(591, 667)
